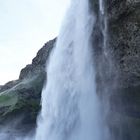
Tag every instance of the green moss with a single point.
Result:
(22, 98)
(8, 99)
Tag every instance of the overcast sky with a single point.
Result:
(25, 25)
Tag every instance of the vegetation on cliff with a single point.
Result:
(23, 96)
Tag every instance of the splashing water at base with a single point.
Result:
(70, 106)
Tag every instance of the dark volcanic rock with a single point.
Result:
(124, 43)
(124, 31)
(118, 74)
(38, 63)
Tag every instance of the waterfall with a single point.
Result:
(70, 105)
(103, 24)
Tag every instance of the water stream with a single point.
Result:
(71, 109)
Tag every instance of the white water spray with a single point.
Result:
(101, 7)
(70, 106)
(103, 23)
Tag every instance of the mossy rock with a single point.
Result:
(23, 98)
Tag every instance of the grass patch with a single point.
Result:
(9, 98)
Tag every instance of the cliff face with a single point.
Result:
(38, 63)
(118, 72)
(124, 43)
(21, 98)
(124, 31)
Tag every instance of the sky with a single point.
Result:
(25, 25)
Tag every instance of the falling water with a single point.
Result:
(70, 106)
(103, 24)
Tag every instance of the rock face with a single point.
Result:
(124, 30)
(38, 63)
(21, 98)
(124, 43)
(118, 72)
